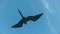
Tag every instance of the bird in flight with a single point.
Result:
(26, 19)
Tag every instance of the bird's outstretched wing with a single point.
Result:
(19, 24)
(36, 17)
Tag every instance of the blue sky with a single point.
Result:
(47, 24)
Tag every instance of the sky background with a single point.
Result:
(49, 23)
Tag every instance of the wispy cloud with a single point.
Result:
(48, 6)
(49, 10)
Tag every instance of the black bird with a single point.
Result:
(26, 19)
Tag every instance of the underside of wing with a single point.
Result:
(19, 24)
(34, 18)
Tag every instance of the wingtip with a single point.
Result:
(16, 26)
(41, 13)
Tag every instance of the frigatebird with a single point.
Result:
(26, 19)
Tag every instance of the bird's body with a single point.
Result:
(26, 19)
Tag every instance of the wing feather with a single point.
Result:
(34, 18)
(19, 24)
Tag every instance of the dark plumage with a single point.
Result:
(26, 19)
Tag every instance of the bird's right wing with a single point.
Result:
(19, 24)
(36, 17)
